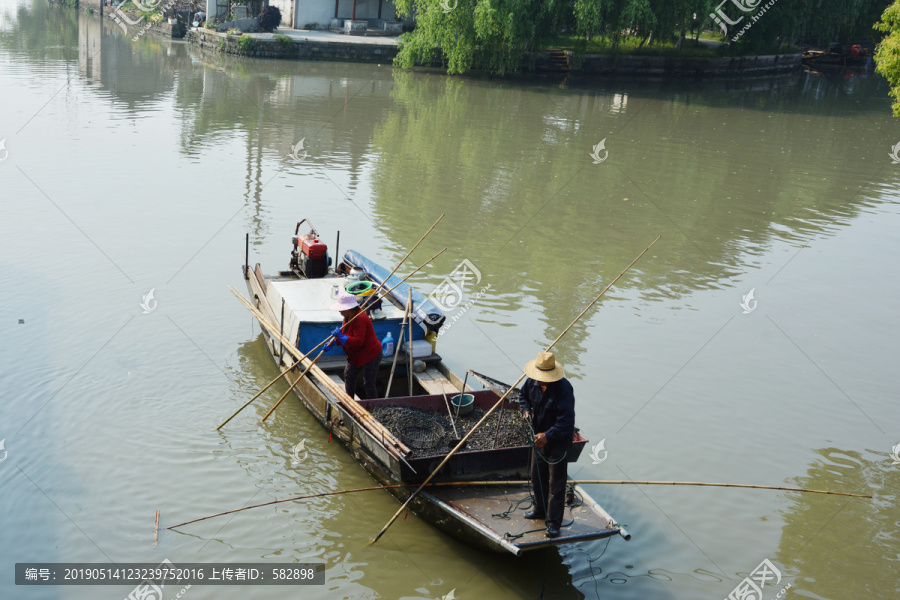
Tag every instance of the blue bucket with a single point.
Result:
(464, 405)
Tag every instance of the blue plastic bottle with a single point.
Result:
(387, 345)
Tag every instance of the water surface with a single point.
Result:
(139, 166)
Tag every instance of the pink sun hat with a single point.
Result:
(345, 302)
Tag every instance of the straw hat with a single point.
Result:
(345, 302)
(545, 368)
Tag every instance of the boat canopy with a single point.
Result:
(424, 309)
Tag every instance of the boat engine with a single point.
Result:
(310, 254)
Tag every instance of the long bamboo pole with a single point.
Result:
(526, 482)
(293, 385)
(281, 338)
(371, 300)
(352, 407)
(396, 448)
(409, 349)
(290, 346)
(411, 250)
(499, 421)
(397, 344)
(502, 398)
(450, 414)
(709, 484)
(258, 394)
(374, 295)
(360, 413)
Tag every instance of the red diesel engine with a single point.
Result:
(310, 254)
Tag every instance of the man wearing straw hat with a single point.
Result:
(359, 341)
(548, 402)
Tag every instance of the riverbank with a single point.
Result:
(297, 44)
(325, 45)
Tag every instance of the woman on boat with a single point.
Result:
(359, 341)
(548, 402)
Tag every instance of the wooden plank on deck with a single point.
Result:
(435, 383)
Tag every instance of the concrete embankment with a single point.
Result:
(321, 45)
(292, 43)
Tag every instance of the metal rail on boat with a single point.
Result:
(599, 510)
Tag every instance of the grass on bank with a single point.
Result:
(285, 42)
(631, 45)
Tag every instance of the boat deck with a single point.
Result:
(586, 520)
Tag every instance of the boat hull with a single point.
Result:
(458, 511)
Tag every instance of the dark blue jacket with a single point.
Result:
(553, 412)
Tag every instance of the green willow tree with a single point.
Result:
(482, 34)
(809, 22)
(496, 35)
(613, 18)
(887, 55)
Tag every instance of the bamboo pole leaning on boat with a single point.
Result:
(363, 308)
(258, 394)
(526, 482)
(394, 446)
(293, 385)
(503, 398)
(499, 420)
(350, 404)
(409, 349)
(450, 414)
(397, 344)
(357, 411)
(372, 298)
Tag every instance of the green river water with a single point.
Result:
(131, 167)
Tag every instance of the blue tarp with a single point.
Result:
(424, 311)
(312, 333)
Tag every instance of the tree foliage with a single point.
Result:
(496, 35)
(813, 22)
(887, 55)
(483, 34)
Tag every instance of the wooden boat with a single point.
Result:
(293, 308)
(837, 56)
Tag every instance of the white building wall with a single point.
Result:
(321, 12)
(216, 10)
(314, 11)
